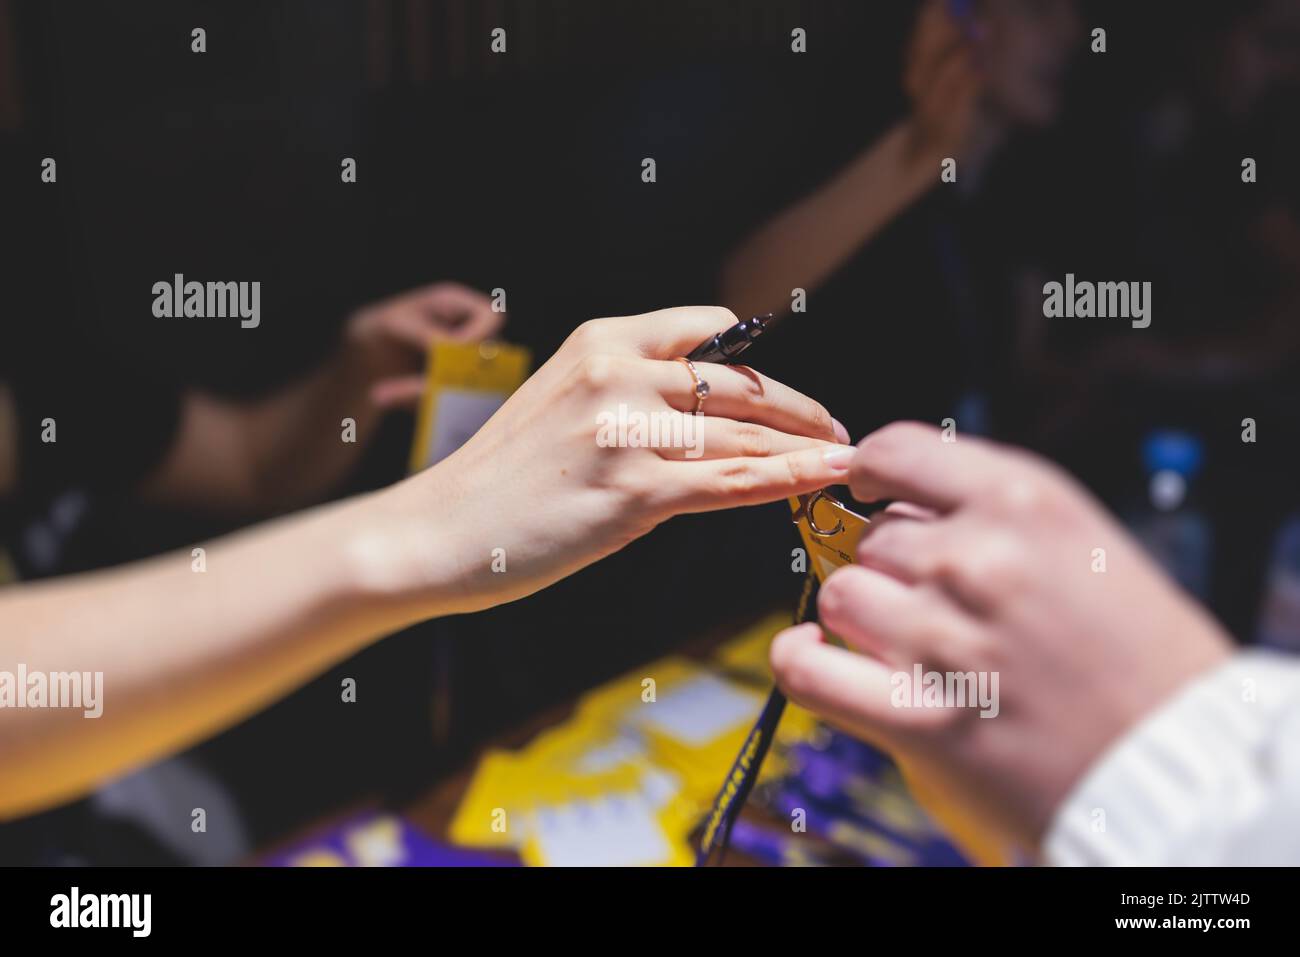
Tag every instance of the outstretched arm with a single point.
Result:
(183, 652)
(536, 494)
(805, 243)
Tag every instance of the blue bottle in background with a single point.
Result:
(1279, 618)
(1169, 524)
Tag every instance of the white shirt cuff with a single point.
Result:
(1210, 777)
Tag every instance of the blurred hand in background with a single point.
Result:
(388, 340)
(943, 80)
(283, 451)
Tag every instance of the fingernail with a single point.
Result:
(839, 457)
(841, 432)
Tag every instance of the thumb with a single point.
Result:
(847, 689)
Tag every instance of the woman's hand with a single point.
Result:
(1015, 573)
(549, 484)
(539, 492)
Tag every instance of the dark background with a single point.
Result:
(523, 172)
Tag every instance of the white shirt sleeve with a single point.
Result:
(1212, 777)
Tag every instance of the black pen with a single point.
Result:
(729, 343)
(726, 345)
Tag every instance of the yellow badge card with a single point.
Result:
(466, 382)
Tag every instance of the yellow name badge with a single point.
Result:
(830, 531)
(465, 383)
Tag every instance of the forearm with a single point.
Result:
(185, 652)
(271, 455)
(807, 242)
(298, 448)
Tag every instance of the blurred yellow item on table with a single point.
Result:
(625, 779)
(466, 382)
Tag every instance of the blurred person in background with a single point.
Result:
(919, 268)
(245, 457)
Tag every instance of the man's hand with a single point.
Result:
(387, 341)
(1015, 571)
